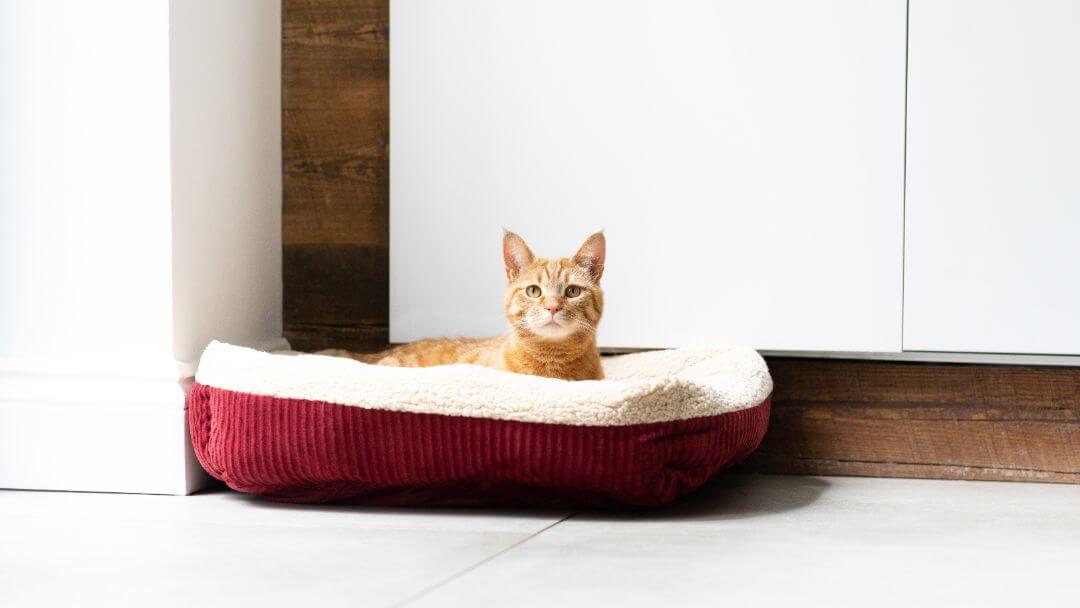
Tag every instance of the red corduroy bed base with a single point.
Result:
(310, 451)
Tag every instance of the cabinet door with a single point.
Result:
(745, 158)
(993, 198)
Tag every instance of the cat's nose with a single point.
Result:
(554, 308)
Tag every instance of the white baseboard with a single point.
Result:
(95, 448)
(67, 429)
(104, 424)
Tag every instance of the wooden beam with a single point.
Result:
(335, 138)
(923, 420)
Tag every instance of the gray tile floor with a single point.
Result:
(742, 540)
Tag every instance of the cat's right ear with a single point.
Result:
(516, 254)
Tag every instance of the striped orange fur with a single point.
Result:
(553, 306)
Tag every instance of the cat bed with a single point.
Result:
(313, 428)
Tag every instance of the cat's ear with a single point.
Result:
(591, 255)
(516, 254)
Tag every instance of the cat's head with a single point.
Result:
(553, 299)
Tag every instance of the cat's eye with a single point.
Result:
(573, 291)
(533, 291)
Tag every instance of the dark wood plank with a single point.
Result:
(338, 297)
(763, 464)
(926, 384)
(335, 54)
(356, 338)
(335, 138)
(336, 178)
(923, 420)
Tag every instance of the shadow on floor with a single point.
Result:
(404, 511)
(726, 497)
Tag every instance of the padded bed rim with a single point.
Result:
(647, 387)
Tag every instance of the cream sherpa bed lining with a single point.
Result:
(639, 388)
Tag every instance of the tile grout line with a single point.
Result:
(427, 590)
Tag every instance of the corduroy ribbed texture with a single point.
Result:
(311, 451)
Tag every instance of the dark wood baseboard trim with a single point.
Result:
(940, 421)
(764, 463)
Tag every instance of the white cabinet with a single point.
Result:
(992, 259)
(746, 159)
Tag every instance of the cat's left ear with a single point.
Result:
(591, 255)
(516, 254)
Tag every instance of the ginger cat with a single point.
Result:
(553, 307)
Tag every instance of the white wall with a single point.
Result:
(746, 159)
(139, 218)
(85, 228)
(226, 173)
(993, 198)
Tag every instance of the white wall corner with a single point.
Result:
(161, 233)
(225, 72)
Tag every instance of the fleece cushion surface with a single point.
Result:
(312, 428)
